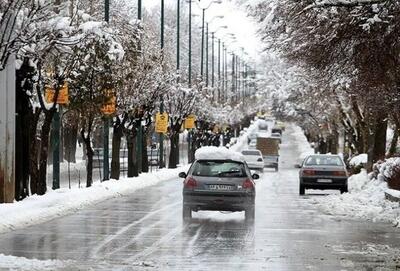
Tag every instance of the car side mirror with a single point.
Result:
(255, 176)
(182, 175)
(297, 166)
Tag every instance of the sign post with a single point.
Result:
(190, 124)
(108, 109)
(62, 99)
(161, 128)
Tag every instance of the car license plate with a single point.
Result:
(220, 187)
(324, 181)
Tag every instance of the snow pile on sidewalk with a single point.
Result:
(55, 203)
(243, 139)
(303, 145)
(365, 200)
(359, 160)
(22, 263)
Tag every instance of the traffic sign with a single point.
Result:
(189, 122)
(62, 97)
(162, 123)
(109, 107)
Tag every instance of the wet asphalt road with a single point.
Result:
(145, 232)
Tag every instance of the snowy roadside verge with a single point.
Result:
(56, 203)
(365, 200)
(21, 263)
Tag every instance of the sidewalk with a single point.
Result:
(55, 203)
(37, 209)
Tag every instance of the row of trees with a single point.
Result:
(67, 43)
(342, 61)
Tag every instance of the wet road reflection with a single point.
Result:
(146, 231)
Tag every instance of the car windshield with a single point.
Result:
(323, 161)
(219, 168)
(257, 153)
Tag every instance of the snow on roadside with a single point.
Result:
(22, 263)
(55, 203)
(303, 145)
(365, 200)
(359, 160)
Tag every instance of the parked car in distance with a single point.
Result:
(323, 171)
(253, 144)
(254, 159)
(219, 183)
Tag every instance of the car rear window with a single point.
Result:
(251, 153)
(219, 168)
(324, 161)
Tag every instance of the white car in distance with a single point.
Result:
(254, 159)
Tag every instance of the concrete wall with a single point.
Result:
(7, 132)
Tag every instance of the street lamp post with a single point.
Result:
(139, 9)
(161, 138)
(203, 9)
(106, 121)
(207, 55)
(219, 70)
(190, 45)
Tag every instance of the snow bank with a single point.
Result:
(303, 145)
(212, 152)
(22, 263)
(365, 200)
(242, 140)
(359, 160)
(37, 209)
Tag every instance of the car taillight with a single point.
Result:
(259, 160)
(190, 183)
(339, 173)
(248, 184)
(308, 172)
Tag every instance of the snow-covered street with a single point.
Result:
(144, 230)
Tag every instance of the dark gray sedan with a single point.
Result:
(218, 185)
(323, 171)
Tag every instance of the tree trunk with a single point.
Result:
(393, 143)
(44, 149)
(115, 155)
(34, 142)
(70, 141)
(89, 158)
(132, 166)
(174, 150)
(145, 158)
(380, 139)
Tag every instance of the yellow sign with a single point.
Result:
(161, 123)
(189, 122)
(62, 97)
(216, 129)
(109, 104)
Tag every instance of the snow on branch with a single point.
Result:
(343, 3)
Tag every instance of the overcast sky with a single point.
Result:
(235, 18)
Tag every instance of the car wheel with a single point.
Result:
(302, 190)
(344, 190)
(249, 213)
(186, 213)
